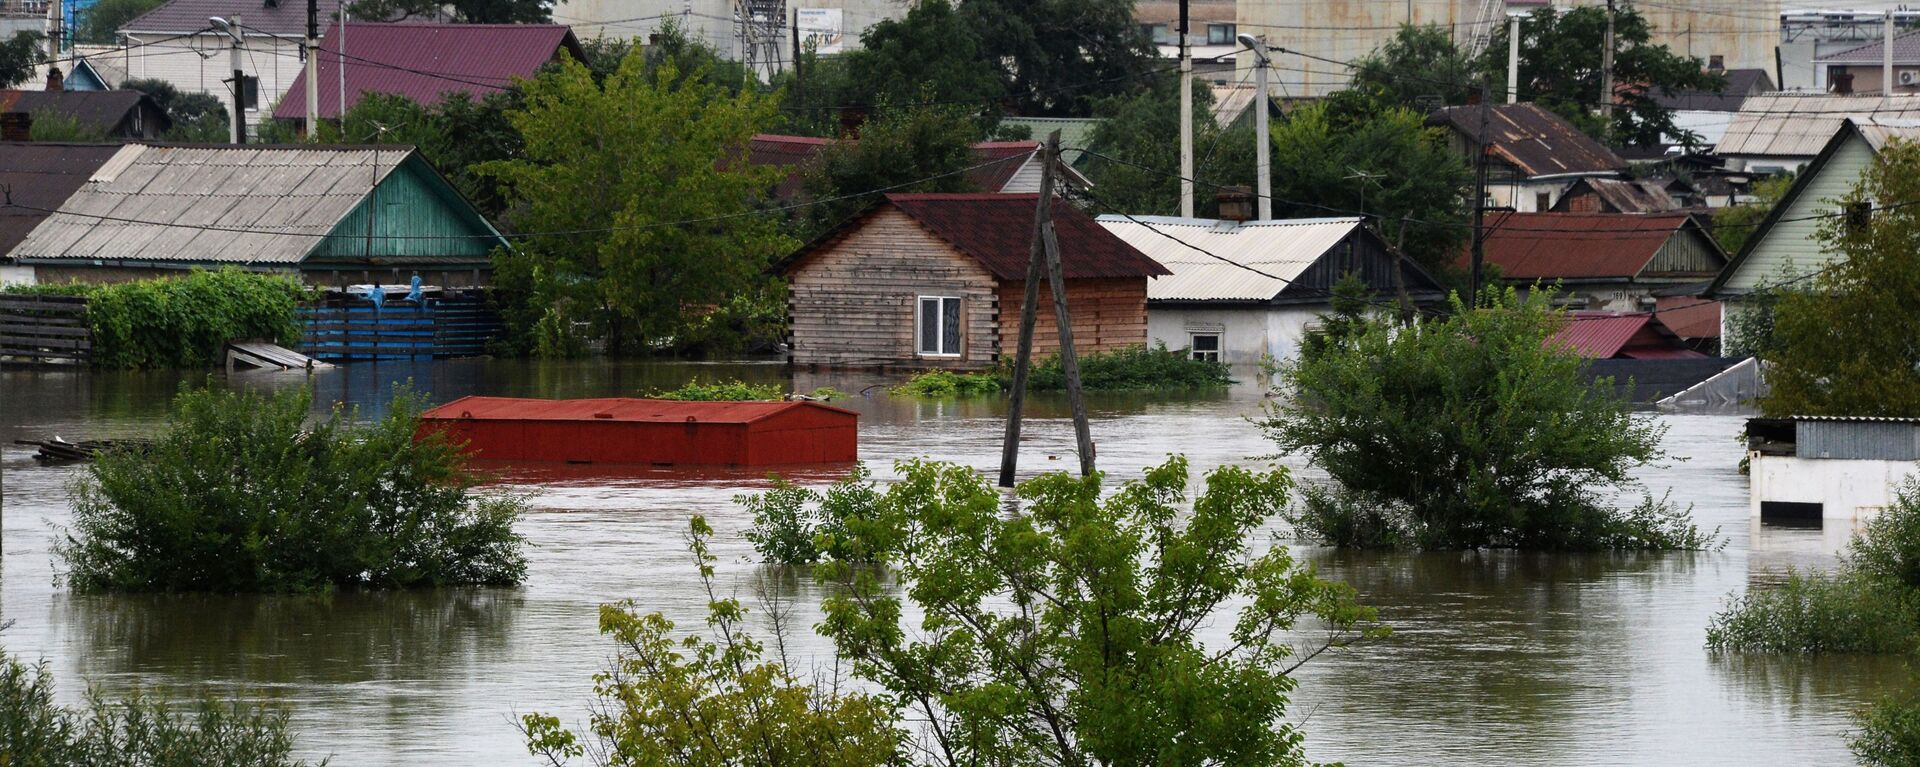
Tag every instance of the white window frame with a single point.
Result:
(1219, 349)
(919, 309)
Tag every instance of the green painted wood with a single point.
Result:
(414, 214)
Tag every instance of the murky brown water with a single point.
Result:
(1497, 658)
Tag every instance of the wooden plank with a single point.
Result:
(8, 327)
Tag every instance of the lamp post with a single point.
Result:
(238, 130)
(1261, 141)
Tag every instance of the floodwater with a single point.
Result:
(1496, 657)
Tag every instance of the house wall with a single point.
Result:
(411, 215)
(853, 301)
(16, 275)
(1248, 334)
(1621, 296)
(321, 277)
(1846, 489)
(197, 64)
(1108, 315)
(1687, 253)
(1866, 79)
(1789, 247)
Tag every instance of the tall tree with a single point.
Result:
(932, 56)
(641, 225)
(1419, 68)
(928, 145)
(19, 58)
(1560, 69)
(1057, 56)
(1135, 167)
(197, 118)
(1844, 345)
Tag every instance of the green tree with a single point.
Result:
(1560, 58)
(240, 493)
(456, 136)
(1467, 431)
(1419, 68)
(933, 55)
(641, 227)
(1055, 57)
(894, 150)
(19, 58)
(1732, 225)
(1843, 344)
(1135, 167)
(197, 118)
(1337, 157)
(99, 23)
(1889, 734)
(49, 125)
(462, 11)
(817, 93)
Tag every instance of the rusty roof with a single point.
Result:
(623, 409)
(997, 231)
(1538, 142)
(424, 62)
(1625, 196)
(1574, 246)
(1606, 335)
(42, 175)
(1689, 316)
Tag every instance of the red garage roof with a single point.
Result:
(425, 61)
(615, 409)
(1560, 246)
(997, 231)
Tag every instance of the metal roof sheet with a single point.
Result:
(626, 409)
(42, 175)
(1558, 246)
(1598, 335)
(426, 61)
(1906, 51)
(99, 110)
(215, 203)
(1538, 142)
(1280, 250)
(269, 18)
(1800, 125)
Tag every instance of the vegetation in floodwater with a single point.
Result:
(723, 391)
(1869, 604)
(793, 525)
(184, 322)
(940, 384)
(1135, 368)
(240, 493)
(138, 730)
(1464, 432)
(1033, 666)
(1889, 734)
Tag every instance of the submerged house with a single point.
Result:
(1807, 470)
(1602, 261)
(1243, 291)
(1534, 155)
(331, 214)
(937, 281)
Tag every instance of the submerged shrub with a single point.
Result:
(186, 321)
(723, 391)
(793, 525)
(35, 732)
(1131, 369)
(1889, 734)
(240, 493)
(945, 383)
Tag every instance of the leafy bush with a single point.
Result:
(185, 321)
(793, 525)
(35, 732)
(936, 384)
(1464, 432)
(1889, 734)
(1129, 369)
(1871, 604)
(723, 391)
(240, 493)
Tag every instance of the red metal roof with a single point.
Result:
(997, 231)
(619, 409)
(996, 162)
(425, 61)
(1606, 335)
(1689, 316)
(1558, 246)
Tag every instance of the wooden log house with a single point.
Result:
(937, 280)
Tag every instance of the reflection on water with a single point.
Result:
(1496, 658)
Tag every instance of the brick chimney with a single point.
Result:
(56, 82)
(16, 126)
(1236, 203)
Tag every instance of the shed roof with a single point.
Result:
(1906, 51)
(238, 204)
(997, 231)
(1279, 250)
(1606, 335)
(425, 61)
(1627, 196)
(992, 163)
(622, 409)
(1741, 84)
(100, 110)
(1538, 142)
(1076, 133)
(42, 176)
(284, 19)
(1800, 124)
(1562, 246)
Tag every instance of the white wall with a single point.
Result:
(1523, 195)
(1247, 335)
(16, 275)
(1847, 489)
(198, 64)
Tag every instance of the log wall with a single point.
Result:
(1108, 314)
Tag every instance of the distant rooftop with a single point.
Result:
(285, 18)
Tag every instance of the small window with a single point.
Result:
(1221, 34)
(939, 326)
(1204, 346)
(1859, 215)
(1716, 63)
(1840, 80)
(1160, 34)
(1543, 201)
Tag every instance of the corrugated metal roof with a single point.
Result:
(1625, 196)
(1689, 316)
(1862, 418)
(99, 110)
(42, 175)
(1560, 246)
(1906, 51)
(425, 61)
(997, 231)
(1598, 335)
(614, 409)
(1283, 249)
(1879, 131)
(1538, 142)
(284, 19)
(179, 203)
(1800, 125)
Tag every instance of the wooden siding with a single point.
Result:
(1357, 254)
(1688, 254)
(853, 301)
(1108, 314)
(419, 217)
(1789, 245)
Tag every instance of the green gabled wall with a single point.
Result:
(421, 218)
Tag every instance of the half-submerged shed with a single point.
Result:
(1808, 469)
(621, 430)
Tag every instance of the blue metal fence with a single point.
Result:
(348, 329)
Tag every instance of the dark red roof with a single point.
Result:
(1607, 335)
(1690, 316)
(997, 231)
(625, 409)
(1565, 246)
(791, 152)
(996, 162)
(1538, 142)
(42, 175)
(425, 61)
(993, 163)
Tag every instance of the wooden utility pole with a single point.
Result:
(1044, 253)
(1480, 197)
(799, 85)
(1606, 80)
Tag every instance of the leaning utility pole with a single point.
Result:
(1480, 197)
(1186, 117)
(1045, 253)
(1606, 79)
(313, 70)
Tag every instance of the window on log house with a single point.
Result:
(939, 326)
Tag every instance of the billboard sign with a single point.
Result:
(820, 29)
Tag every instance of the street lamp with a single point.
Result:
(1261, 140)
(238, 131)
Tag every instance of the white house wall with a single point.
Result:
(1248, 335)
(198, 64)
(1789, 247)
(1846, 489)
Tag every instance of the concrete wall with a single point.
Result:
(1866, 78)
(1247, 335)
(16, 275)
(1847, 490)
